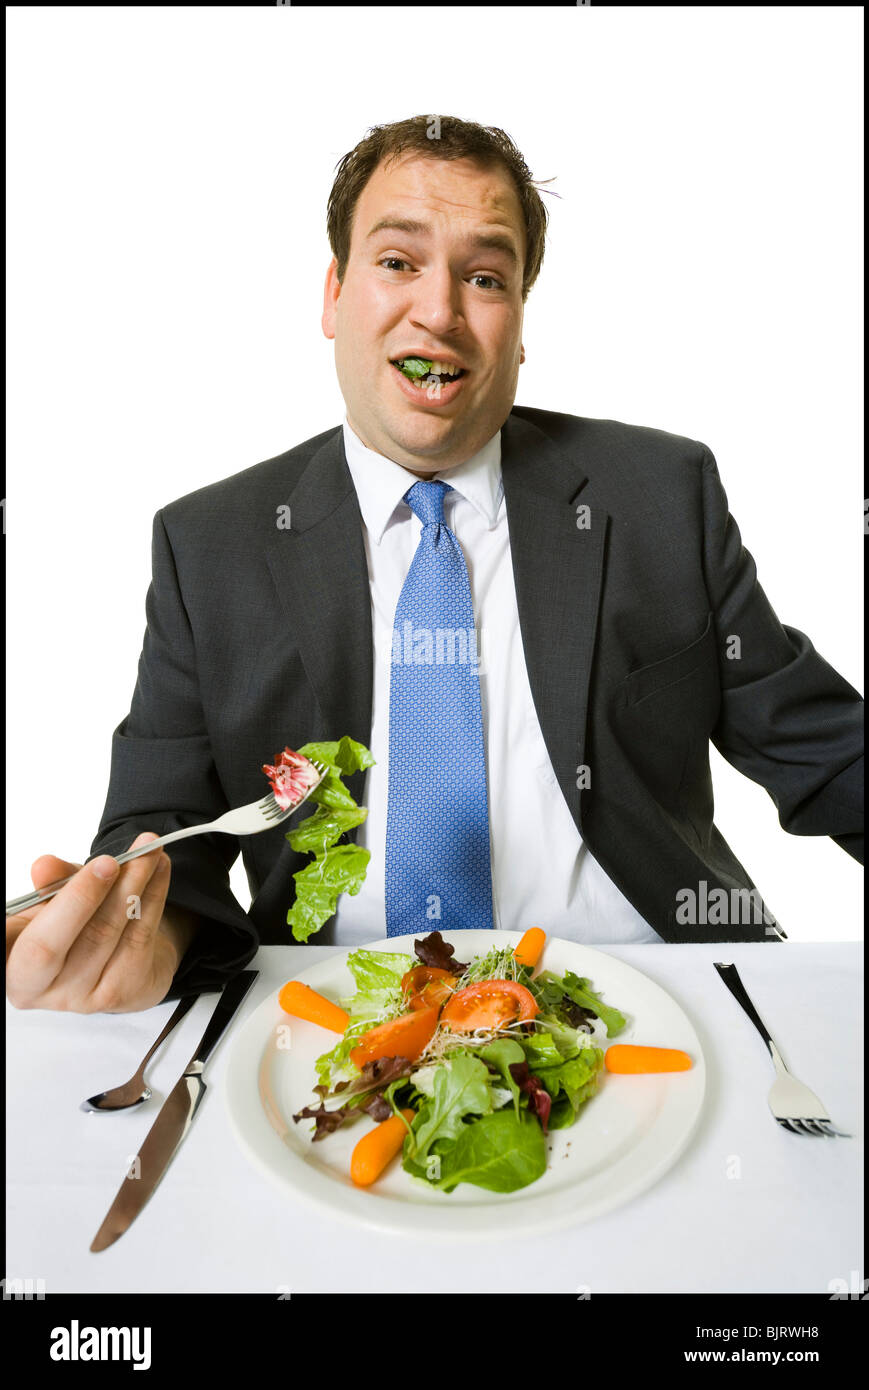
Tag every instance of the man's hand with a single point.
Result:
(106, 943)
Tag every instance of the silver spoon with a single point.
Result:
(134, 1091)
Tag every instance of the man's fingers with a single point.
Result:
(14, 927)
(44, 871)
(47, 868)
(40, 949)
(95, 939)
(133, 957)
(99, 936)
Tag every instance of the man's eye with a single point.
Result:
(398, 261)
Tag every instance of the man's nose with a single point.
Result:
(437, 304)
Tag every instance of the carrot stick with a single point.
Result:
(304, 1002)
(625, 1059)
(530, 948)
(378, 1148)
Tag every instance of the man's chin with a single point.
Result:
(419, 436)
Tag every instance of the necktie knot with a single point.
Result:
(426, 500)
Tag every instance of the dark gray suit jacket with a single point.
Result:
(631, 582)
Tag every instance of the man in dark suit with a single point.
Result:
(644, 632)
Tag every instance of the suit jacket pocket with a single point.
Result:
(671, 670)
(667, 712)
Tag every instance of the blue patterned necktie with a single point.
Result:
(438, 867)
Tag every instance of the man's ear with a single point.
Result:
(521, 353)
(330, 299)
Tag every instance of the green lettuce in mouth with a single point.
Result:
(414, 368)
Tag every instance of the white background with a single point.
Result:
(168, 176)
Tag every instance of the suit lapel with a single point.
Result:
(558, 571)
(321, 575)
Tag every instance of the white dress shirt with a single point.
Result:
(542, 873)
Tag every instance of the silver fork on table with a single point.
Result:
(244, 820)
(794, 1106)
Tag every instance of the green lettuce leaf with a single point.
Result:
(341, 869)
(581, 992)
(415, 367)
(575, 1081)
(502, 1053)
(500, 1152)
(459, 1087)
(346, 755)
(550, 992)
(378, 976)
(336, 1065)
(540, 1050)
(328, 823)
(336, 868)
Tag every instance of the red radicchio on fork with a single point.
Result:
(290, 777)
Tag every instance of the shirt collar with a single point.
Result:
(381, 483)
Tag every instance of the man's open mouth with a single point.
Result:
(423, 371)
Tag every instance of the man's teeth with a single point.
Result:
(438, 368)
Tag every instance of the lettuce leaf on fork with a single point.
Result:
(335, 868)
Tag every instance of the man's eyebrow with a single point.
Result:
(486, 241)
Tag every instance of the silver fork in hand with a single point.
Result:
(244, 820)
(794, 1106)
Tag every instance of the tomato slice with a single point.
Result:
(406, 1036)
(427, 986)
(489, 1004)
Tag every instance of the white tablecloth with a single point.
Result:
(789, 1223)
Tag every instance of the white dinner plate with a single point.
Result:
(625, 1139)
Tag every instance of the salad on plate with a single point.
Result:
(465, 1066)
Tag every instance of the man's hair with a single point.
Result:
(435, 137)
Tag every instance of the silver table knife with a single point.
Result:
(171, 1125)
